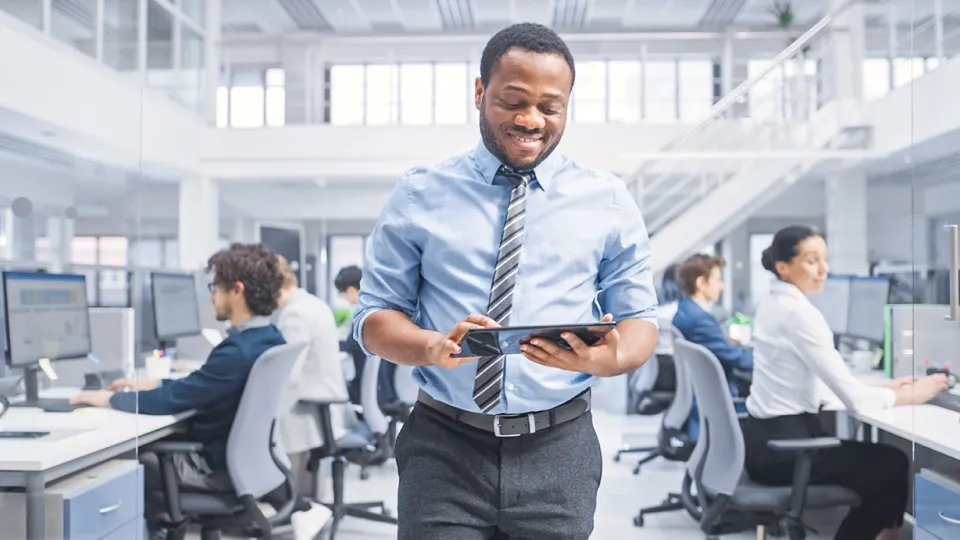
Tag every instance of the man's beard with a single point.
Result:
(489, 137)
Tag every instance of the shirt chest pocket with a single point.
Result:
(570, 240)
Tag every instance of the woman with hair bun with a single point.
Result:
(793, 351)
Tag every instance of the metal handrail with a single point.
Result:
(728, 101)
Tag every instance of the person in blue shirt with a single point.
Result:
(508, 234)
(245, 287)
(701, 282)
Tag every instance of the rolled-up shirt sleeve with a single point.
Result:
(391, 267)
(625, 275)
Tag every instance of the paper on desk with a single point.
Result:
(47, 369)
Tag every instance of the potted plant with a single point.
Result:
(783, 11)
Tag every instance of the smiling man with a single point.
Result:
(514, 234)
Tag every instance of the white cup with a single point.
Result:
(862, 360)
(159, 367)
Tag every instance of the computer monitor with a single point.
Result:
(46, 317)
(868, 300)
(834, 303)
(176, 310)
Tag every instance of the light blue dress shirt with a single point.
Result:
(433, 251)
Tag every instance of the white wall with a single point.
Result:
(351, 152)
(117, 121)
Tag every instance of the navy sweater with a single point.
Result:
(214, 391)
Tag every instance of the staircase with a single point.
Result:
(768, 133)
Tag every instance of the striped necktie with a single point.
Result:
(487, 386)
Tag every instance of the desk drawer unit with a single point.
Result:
(103, 502)
(937, 505)
(114, 498)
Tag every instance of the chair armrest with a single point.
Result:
(803, 445)
(804, 449)
(174, 447)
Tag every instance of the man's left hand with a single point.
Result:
(603, 359)
(98, 398)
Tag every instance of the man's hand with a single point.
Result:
(734, 341)
(97, 398)
(136, 385)
(441, 347)
(603, 359)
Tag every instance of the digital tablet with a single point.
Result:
(507, 340)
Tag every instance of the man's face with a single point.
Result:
(523, 109)
(224, 300)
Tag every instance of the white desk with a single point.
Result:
(930, 426)
(89, 436)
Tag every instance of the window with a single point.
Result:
(472, 75)
(147, 252)
(41, 249)
(256, 98)
(344, 250)
(660, 91)
(760, 279)
(381, 93)
(416, 94)
(346, 95)
(765, 94)
(625, 96)
(590, 93)
(83, 250)
(451, 93)
(276, 97)
(246, 105)
(112, 251)
(876, 78)
(171, 253)
(905, 70)
(695, 86)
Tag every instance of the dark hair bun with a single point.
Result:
(767, 260)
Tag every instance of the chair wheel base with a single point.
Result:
(638, 520)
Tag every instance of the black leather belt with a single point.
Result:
(513, 425)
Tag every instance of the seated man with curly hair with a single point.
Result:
(246, 285)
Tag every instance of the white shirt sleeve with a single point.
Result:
(813, 342)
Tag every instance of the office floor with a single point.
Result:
(621, 493)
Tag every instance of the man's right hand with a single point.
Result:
(136, 385)
(441, 347)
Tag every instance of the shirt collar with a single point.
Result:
(257, 321)
(488, 165)
(789, 289)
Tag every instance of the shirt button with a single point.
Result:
(511, 387)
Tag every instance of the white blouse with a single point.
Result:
(793, 354)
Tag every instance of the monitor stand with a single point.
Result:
(30, 384)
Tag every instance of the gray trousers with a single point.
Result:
(461, 483)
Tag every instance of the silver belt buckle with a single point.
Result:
(531, 421)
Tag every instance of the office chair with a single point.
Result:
(397, 401)
(365, 445)
(731, 502)
(257, 464)
(645, 400)
(674, 444)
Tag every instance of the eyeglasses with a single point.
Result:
(211, 286)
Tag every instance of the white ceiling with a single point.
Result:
(420, 16)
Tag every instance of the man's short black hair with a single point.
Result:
(348, 276)
(527, 36)
(256, 267)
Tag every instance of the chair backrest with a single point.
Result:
(372, 415)
(254, 450)
(405, 385)
(646, 376)
(716, 464)
(679, 410)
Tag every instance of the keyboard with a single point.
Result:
(58, 405)
(947, 400)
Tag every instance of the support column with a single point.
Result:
(211, 60)
(199, 222)
(59, 235)
(846, 209)
(24, 238)
(938, 29)
(843, 62)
